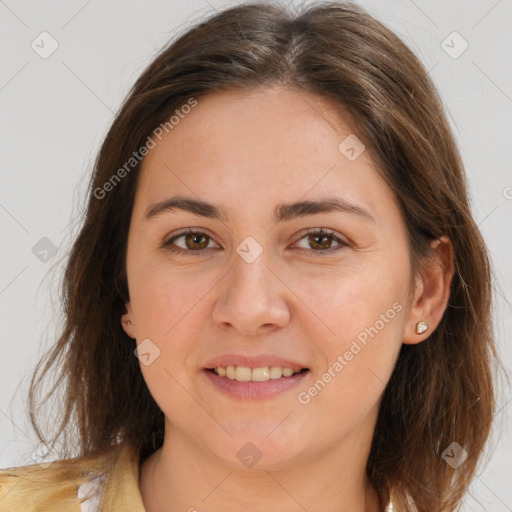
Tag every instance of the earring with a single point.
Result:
(421, 327)
(127, 322)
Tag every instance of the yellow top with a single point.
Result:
(33, 489)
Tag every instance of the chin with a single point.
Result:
(259, 447)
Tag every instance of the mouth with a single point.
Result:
(254, 384)
(260, 374)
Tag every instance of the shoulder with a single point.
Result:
(57, 486)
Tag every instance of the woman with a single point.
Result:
(278, 229)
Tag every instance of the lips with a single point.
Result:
(253, 361)
(252, 391)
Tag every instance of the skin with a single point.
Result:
(247, 152)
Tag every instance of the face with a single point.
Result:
(253, 283)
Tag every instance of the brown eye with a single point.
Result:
(193, 242)
(320, 241)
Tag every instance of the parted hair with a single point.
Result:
(441, 390)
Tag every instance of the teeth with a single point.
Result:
(246, 374)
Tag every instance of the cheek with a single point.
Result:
(359, 361)
(343, 302)
(169, 312)
(358, 322)
(168, 308)
(165, 297)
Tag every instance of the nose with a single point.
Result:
(252, 299)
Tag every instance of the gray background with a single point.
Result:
(55, 111)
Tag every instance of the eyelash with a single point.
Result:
(317, 232)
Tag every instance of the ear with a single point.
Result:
(129, 328)
(432, 291)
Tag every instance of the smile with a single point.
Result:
(246, 374)
(242, 383)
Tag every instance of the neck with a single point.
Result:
(185, 476)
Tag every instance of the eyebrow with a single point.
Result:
(282, 212)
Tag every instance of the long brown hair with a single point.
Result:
(441, 390)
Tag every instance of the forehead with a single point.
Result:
(255, 122)
(260, 144)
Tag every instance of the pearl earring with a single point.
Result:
(421, 327)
